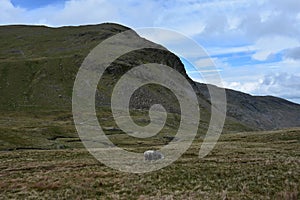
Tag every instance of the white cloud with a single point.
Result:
(291, 6)
(279, 84)
(161, 36)
(272, 45)
(211, 19)
(215, 51)
(247, 87)
(204, 63)
(293, 53)
(176, 42)
(87, 11)
(277, 79)
(10, 14)
(205, 71)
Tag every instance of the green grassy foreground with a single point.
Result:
(55, 129)
(254, 165)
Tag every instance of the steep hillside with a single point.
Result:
(38, 66)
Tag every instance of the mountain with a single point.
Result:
(38, 66)
(262, 112)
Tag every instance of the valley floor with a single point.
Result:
(256, 165)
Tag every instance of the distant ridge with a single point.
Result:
(262, 112)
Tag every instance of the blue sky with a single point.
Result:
(255, 44)
(34, 4)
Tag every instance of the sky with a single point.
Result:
(255, 44)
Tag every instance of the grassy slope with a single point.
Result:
(37, 42)
(258, 165)
(38, 65)
(52, 129)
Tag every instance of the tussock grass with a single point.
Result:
(257, 165)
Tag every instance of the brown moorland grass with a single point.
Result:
(254, 165)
